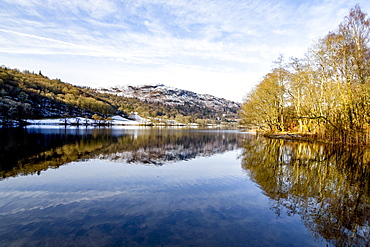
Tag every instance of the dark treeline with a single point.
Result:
(326, 93)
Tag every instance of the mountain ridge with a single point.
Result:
(180, 92)
(172, 96)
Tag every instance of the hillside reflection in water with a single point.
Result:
(25, 152)
(149, 187)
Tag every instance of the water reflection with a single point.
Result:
(30, 151)
(99, 196)
(327, 185)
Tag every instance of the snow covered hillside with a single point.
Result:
(174, 97)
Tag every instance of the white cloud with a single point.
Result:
(96, 8)
(167, 40)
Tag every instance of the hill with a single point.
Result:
(29, 95)
(185, 102)
(25, 95)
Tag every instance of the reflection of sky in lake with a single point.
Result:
(205, 201)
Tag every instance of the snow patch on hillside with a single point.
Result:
(171, 96)
(174, 97)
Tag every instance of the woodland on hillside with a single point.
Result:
(325, 94)
(25, 95)
(30, 95)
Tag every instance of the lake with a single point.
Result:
(179, 187)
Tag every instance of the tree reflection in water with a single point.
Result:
(327, 185)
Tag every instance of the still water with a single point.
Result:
(177, 187)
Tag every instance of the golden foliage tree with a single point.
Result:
(326, 93)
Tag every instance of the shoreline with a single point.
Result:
(115, 121)
(292, 136)
(308, 138)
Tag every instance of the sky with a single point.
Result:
(218, 47)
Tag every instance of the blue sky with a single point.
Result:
(220, 47)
